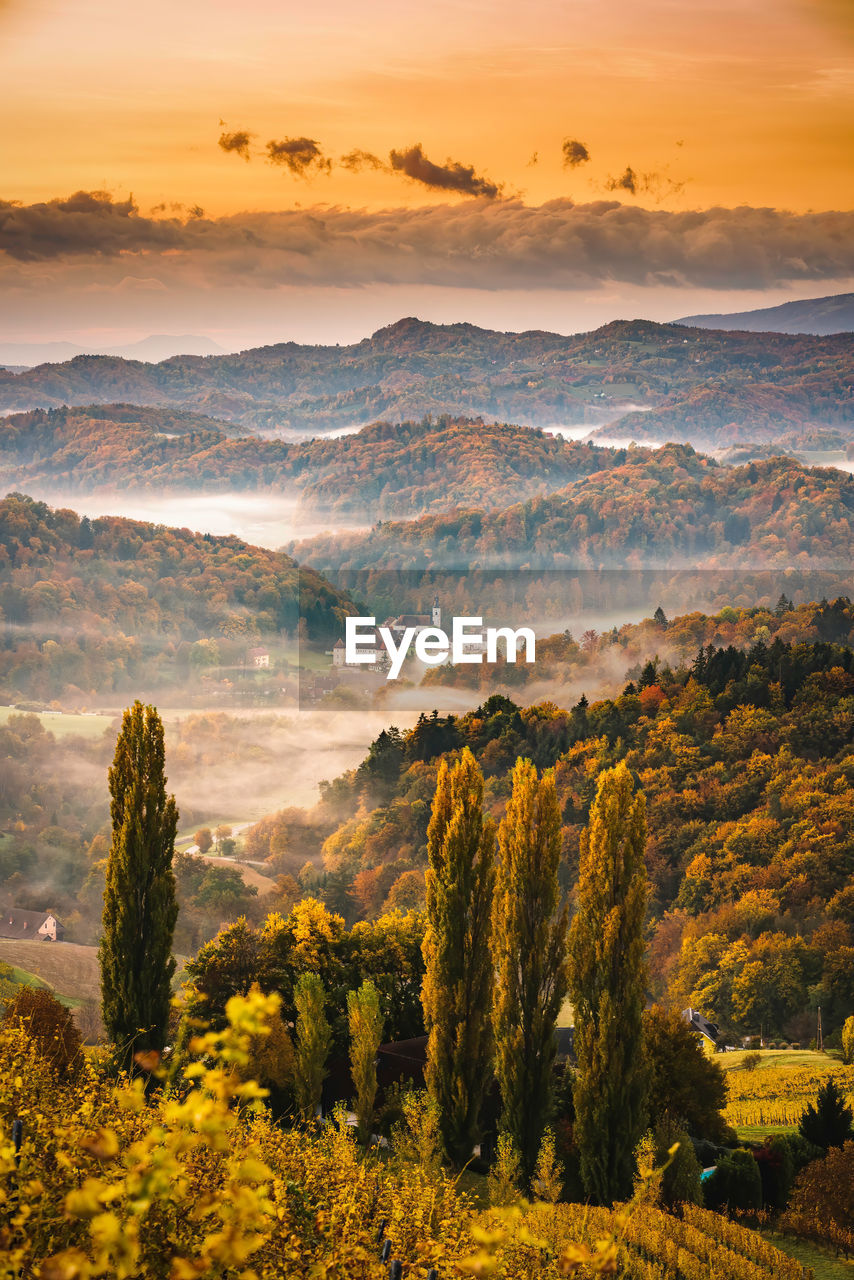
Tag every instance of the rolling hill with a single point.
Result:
(412, 369)
(673, 508)
(92, 608)
(834, 314)
(382, 471)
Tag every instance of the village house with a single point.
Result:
(259, 658)
(40, 925)
(702, 1026)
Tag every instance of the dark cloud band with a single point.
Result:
(479, 243)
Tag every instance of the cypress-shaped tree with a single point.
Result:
(607, 984)
(313, 1041)
(830, 1121)
(457, 989)
(140, 907)
(366, 1022)
(529, 933)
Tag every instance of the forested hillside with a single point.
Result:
(108, 606)
(670, 508)
(588, 659)
(746, 760)
(411, 368)
(384, 470)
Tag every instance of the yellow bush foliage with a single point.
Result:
(196, 1180)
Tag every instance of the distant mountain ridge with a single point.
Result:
(157, 346)
(820, 316)
(412, 369)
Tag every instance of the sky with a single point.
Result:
(274, 171)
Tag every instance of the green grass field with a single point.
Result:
(65, 725)
(804, 1059)
(824, 1265)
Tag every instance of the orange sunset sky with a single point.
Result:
(681, 107)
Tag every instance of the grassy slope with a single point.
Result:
(823, 1265)
(65, 725)
(71, 969)
(797, 1059)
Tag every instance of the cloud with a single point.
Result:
(574, 153)
(627, 181)
(357, 160)
(451, 176)
(237, 142)
(659, 185)
(300, 155)
(88, 222)
(485, 244)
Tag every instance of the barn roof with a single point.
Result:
(697, 1022)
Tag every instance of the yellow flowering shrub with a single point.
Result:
(197, 1180)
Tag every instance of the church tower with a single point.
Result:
(437, 613)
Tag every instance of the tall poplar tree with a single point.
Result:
(313, 1041)
(529, 932)
(457, 989)
(366, 1023)
(607, 988)
(140, 907)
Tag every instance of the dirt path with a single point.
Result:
(251, 875)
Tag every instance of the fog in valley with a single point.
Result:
(261, 519)
(234, 763)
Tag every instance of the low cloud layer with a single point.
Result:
(482, 243)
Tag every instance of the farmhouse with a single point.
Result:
(701, 1025)
(41, 925)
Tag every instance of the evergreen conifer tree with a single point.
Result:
(140, 907)
(830, 1121)
(457, 989)
(607, 986)
(529, 958)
